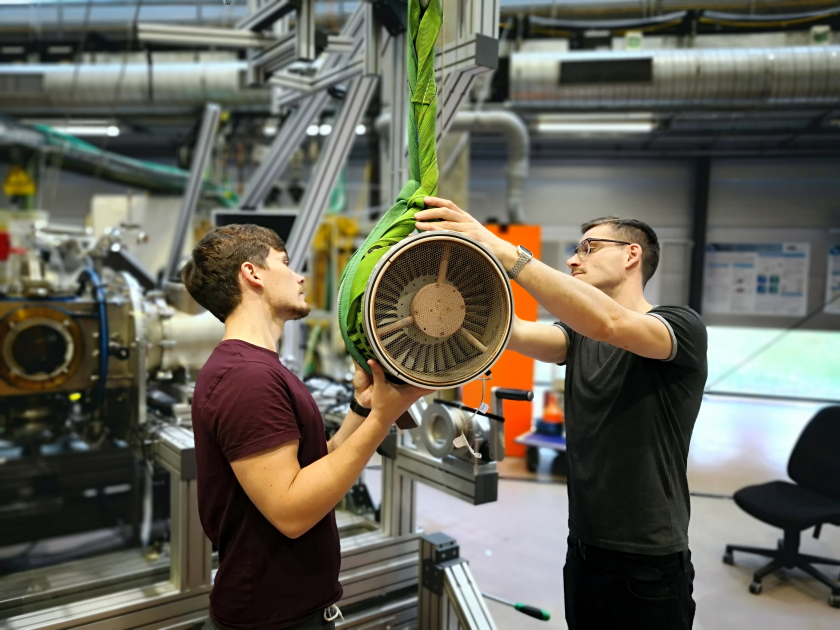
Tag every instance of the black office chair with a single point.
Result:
(811, 502)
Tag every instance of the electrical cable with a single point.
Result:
(734, 20)
(99, 295)
(461, 440)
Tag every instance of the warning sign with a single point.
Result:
(18, 183)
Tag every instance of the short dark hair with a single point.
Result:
(212, 274)
(635, 232)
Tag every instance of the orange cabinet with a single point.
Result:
(513, 369)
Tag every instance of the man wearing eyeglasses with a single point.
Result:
(635, 375)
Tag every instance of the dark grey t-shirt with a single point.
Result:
(628, 426)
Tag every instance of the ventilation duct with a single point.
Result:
(516, 136)
(667, 79)
(626, 9)
(117, 86)
(71, 17)
(515, 132)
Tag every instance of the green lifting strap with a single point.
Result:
(423, 27)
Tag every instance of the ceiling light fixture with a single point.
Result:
(111, 131)
(595, 124)
(595, 128)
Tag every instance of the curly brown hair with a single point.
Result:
(212, 273)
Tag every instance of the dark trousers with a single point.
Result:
(611, 590)
(315, 622)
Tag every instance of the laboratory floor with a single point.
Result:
(516, 546)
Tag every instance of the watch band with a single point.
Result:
(524, 258)
(356, 408)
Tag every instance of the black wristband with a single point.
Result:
(356, 408)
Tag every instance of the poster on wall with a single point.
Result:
(756, 278)
(832, 281)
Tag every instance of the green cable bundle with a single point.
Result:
(423, 27)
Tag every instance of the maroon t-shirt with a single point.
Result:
(245, 401)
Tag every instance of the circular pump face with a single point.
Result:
(439, 428)
(438, 310)
(42, 347)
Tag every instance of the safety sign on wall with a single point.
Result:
(756, 278)
(832, 284)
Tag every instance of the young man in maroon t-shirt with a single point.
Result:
(267, 478)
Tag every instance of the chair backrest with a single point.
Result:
(815, 461)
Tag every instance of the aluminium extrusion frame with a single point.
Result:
(201, 156)
(459, 64)
(380, 566)
(293, 131)
(179, 602)
(323, 81)
(449, 596)
(399, 99)
(305, 42)
(473, 51)
(474, 484)
(179, 35)
(333, 157)
(267, 15)
(350, 43)
(288, 139)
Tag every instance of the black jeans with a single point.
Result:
(315, 622)
(611, 590)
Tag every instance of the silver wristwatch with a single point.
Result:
(525, 257)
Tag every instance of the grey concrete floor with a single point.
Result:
(516, 546)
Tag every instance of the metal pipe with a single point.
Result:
(515, 132)
(115, 86)
(676, 78)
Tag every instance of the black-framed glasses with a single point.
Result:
(584, 248)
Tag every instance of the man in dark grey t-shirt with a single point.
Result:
(634, 383)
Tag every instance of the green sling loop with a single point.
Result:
(398, 222)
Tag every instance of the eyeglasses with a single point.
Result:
(584, 248)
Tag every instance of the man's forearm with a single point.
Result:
(577, 304)
(538, 341)
(352, 421)
(318, 488)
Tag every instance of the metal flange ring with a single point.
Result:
(42, 347)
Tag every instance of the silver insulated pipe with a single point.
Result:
(664, 79)
(516, 136)
(117, 85)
